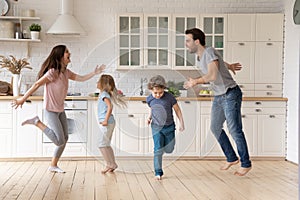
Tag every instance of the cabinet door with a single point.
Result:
(182, 58)
(214, 27)
(271, 135)
(241, 27)
(250, 131)
(188, 141)
(268, 62)
(269, 27)
(28, 138)
(6, 127)
(242, 52)
(157, 41)
(129, 134)
(130, 41)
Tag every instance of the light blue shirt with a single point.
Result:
(102, 108)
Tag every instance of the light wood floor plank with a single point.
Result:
(134, 179)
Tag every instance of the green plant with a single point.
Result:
(174, 91)
(35, 27)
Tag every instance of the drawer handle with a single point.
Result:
(28, 101)
(243, 116)
(241, 86)
(144, 102)
(269, 44)
(269, 86)
(258, 110)
(258, 103)
(241, 43)
(269, 93)
(272, 116)
(187, 102)
(130, 115)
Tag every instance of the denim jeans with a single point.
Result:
(164, 142)
(228, 107)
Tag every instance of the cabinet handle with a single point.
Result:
(272, 116)
(243, 116)
(144, 102)
(241, 43)
(269, 86)
(258, 110)
(269, 44)
(241, 86)
(28, 101)
(269, 93)
(130, 115)
(187, 102)
(258, 103)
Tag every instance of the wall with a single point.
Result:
(98, 17)
(291, 81)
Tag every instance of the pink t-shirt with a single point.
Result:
(56, 91)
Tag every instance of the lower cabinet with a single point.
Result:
(27, 141)
(6, 129)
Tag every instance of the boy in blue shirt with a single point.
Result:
(161, 118)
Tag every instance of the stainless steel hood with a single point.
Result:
(66, 23)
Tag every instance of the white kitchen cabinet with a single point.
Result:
(269, 27)
(27, 139)
(187, 142)
(130, 41)
(241, 27)
(215, 29)
(157, 41)
(183, 60)
(6, 129)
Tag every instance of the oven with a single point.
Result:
(76, 112)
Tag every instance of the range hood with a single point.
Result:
(66, 23)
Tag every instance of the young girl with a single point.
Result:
(108, 94)
(162, 122)
(55, 76)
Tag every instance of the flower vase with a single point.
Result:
(16, 83)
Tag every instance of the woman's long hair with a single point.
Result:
(107, 83)
(53, 60)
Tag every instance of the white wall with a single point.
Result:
(98, 17)
(291, 80)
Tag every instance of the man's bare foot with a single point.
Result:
(227, 165)
(158, 177)
(106, 169)
(242, 171)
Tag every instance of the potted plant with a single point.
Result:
(35, 31)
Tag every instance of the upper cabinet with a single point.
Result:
(269, 27)
(157, 41)
(241, 27)
(182, 58)
(214, 27)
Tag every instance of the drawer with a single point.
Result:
(268, 87)
(248, 93)
(246, 86)
(264, 104)
(263, 111)
(137, 107)
(270, 93)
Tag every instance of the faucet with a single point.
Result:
(143, 80)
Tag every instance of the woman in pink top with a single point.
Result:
(55, 76)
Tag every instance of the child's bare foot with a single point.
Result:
(242, 171)
(227, 165)
(112, 169)
(158, 177)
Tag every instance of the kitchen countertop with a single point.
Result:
(137, 98)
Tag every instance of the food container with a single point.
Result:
(6, 29)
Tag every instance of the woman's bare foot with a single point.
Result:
(106, 169)
(242, 171)
(227, 165)
(112, 169)
(158, 177)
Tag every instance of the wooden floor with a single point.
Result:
(183, 179)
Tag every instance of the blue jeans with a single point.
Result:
(228, 107)
(164, 142)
